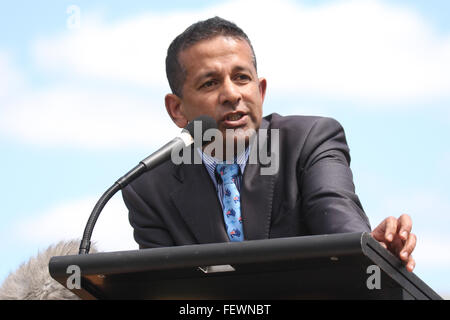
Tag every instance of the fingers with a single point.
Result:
(395, 235)
(410, 265)
(401, 227)
(404, 252)
(390, 228)
(404, 226)
(408, 247)
(409, 241)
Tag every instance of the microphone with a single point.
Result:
(184, 139)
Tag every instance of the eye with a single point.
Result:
(208, 84)
(243, 78)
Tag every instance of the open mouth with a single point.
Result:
(235, 120)
(234, 117)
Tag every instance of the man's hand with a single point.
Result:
(395, 235)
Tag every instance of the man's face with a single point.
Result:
(221, 81)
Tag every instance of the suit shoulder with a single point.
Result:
(301, 123)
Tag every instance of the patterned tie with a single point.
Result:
(231, 201)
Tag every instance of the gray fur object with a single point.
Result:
(32, 280)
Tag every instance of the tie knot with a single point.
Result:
(228, 172)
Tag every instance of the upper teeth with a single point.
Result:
(234, 117)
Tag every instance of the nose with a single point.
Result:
(230, 94)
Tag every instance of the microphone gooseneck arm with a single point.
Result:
(148, 163)
(85, 244)
(152, 161)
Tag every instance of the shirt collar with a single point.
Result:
(211, 162)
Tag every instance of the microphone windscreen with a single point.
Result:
(206, 123)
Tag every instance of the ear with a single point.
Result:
(173, 107)
(262, 87)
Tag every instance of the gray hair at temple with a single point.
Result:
(197, 32)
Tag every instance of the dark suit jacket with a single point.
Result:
(312, 192)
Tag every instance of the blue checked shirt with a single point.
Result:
(210, 164)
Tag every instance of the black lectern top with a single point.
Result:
(338, 266)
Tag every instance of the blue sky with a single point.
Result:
(78, 108)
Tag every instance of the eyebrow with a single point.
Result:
(214, 73)
(207, 75)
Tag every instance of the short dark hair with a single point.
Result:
(197, 32)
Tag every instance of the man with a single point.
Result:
(212, 70)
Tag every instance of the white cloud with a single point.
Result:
(357, 50)
(81, 118)
(66, 221)
(11, 80)
(132, 50)
(348, 49)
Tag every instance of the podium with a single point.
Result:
(337, 266)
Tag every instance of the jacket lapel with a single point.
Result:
(257, 195)
(197, 202)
